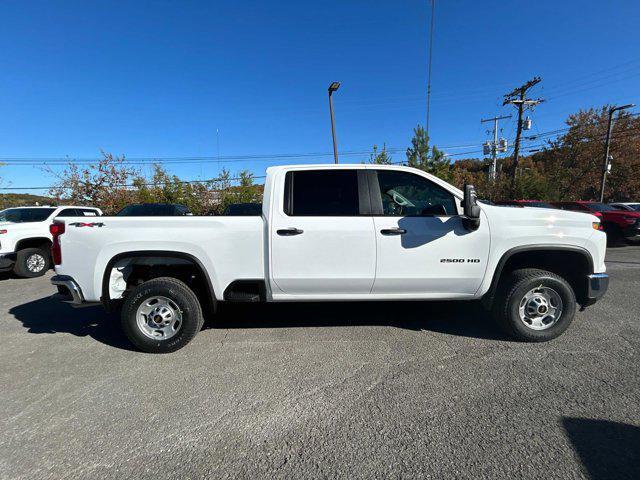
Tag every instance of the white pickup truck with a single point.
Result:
(336, 232)
(25, 239)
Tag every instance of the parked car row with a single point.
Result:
(621, 221)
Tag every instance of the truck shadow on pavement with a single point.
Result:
(466, 319)
(47, 316)
(608, 450)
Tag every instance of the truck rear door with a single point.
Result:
(322, 243)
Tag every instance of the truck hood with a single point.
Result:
(544, 217)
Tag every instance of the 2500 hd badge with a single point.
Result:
(459, 260)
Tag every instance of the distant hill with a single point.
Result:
(20, 199)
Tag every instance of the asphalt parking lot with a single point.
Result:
(383, 390)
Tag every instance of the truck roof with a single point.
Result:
(363, 166)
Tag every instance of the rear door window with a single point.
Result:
(322, 193)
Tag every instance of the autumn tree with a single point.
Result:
(105, 183)
(573, 163)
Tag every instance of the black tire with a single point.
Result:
(180, 294)
(512, 293)
(32, 262)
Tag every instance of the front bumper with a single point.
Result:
(68, 289)
(597, 285)
(7, 260)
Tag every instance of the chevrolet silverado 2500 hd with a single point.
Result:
(25, 240)
(336, 232)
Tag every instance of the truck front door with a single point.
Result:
(423, 247)
(321, 243)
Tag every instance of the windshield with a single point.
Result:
(24, 215)
(152, 210)
(601, 207)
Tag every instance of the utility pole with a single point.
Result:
(433, 11)
(517, 97)
(495, 146)
(332, 88)
(605, 166)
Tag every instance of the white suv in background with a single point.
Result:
(25, 241)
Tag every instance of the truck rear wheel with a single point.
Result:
(161, 315)
(31, 262)
(535, 305)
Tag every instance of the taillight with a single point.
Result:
(630, 220)
(56, 229)
(2, 232)
(597, 226)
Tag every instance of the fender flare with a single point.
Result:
(488, 297)
(155, 253)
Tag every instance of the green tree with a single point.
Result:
(431, 160)
(381, 157)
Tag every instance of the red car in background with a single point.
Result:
(618, 224)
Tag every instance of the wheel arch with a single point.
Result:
(33, 242)
(166, 254)
(545, 257)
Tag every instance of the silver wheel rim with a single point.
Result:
(35, 263)
(159, 318)
(540, 308)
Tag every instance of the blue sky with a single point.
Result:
(158, 78)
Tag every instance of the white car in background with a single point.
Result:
(629, 206)
(25, 240)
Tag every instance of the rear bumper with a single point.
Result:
(597, 285)
(68, 289)
(7, 260)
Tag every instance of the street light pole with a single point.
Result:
(605, 166)
(332, 88)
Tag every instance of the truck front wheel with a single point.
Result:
(31, 262)
(535, 305)
(161, 315)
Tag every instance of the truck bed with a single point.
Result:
(229, 248)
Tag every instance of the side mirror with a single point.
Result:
(471, 218)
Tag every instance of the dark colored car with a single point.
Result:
(619, 224)
(154, 210)
(525, 203)
(243, 209)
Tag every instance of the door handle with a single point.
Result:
(289, 232)
(393, 231)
